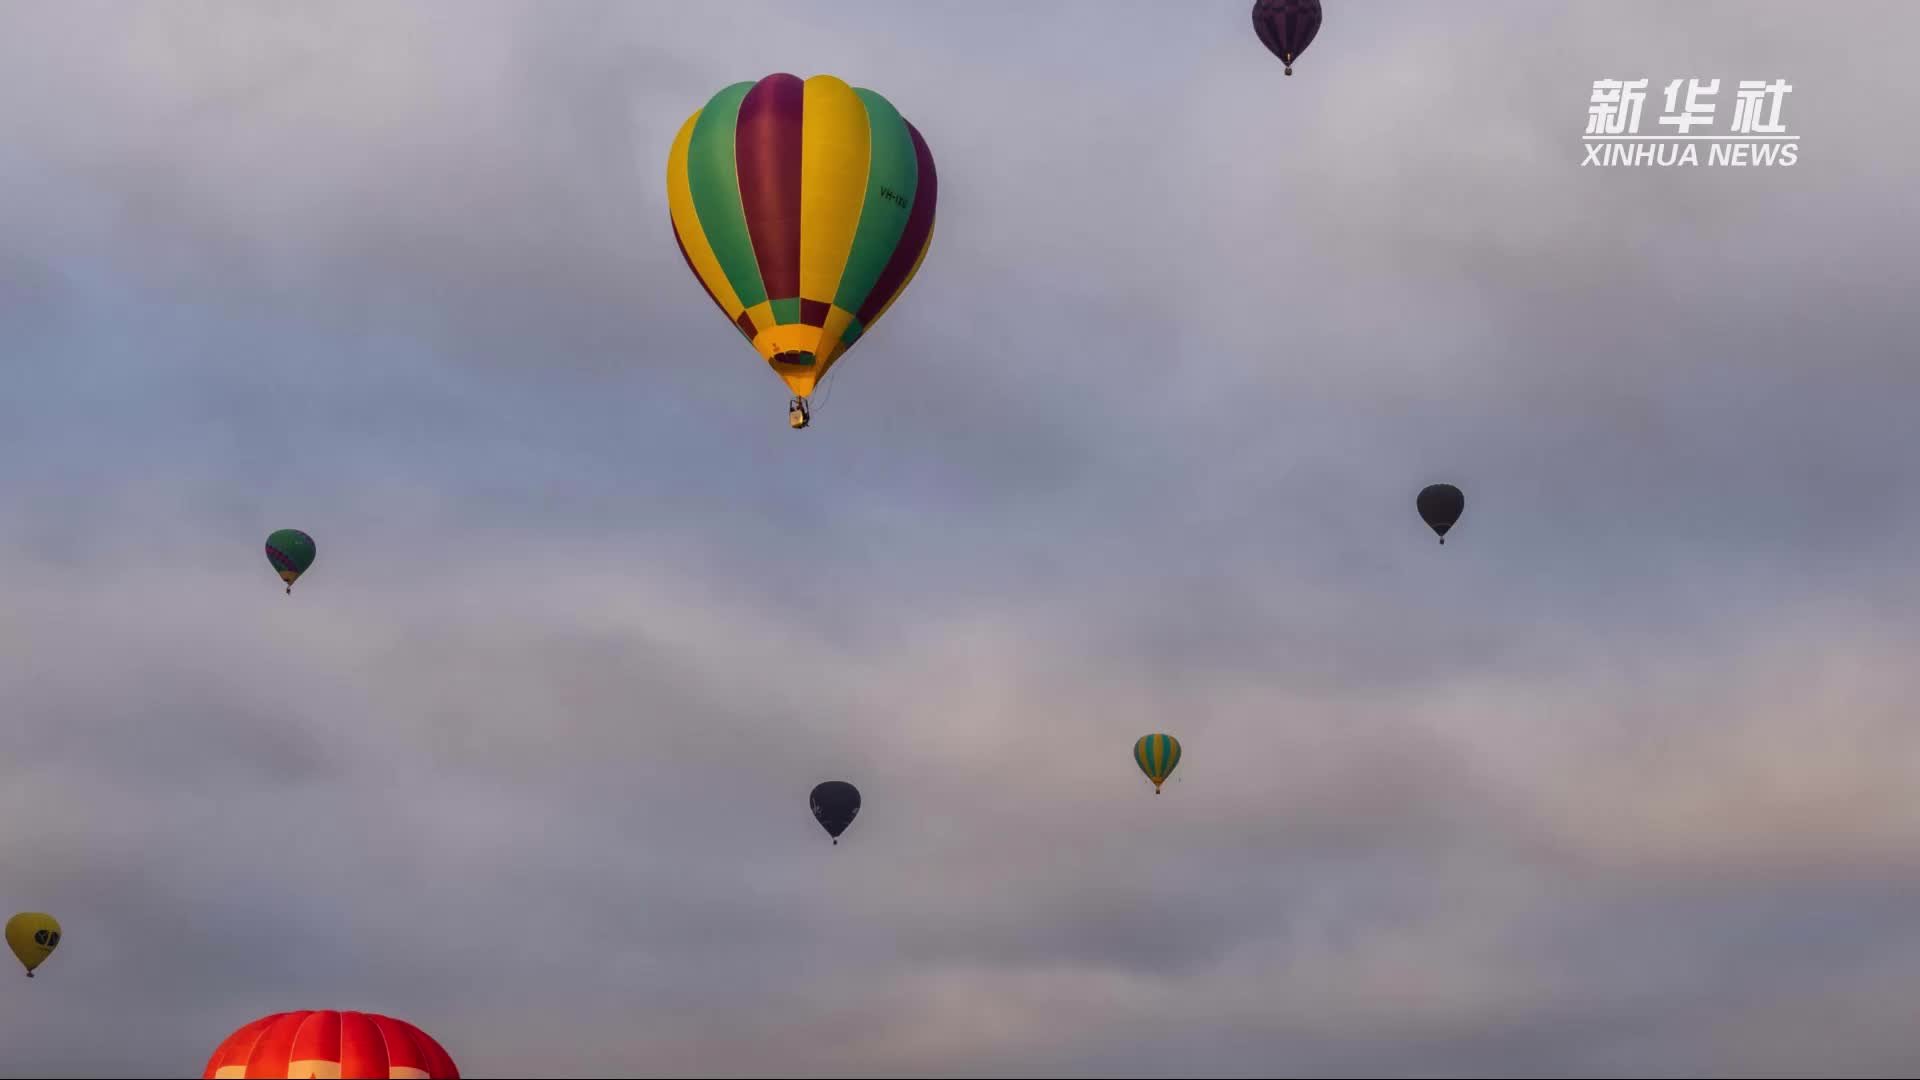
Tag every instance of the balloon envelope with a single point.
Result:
(1440, 505)
(835, 803)
(1286, 27)
(1157, 755)
(33, 935)
(291, 552)
(308, 1043)
(804, 209)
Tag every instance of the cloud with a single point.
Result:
(1614, 782)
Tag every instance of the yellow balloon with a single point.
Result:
(32, 936)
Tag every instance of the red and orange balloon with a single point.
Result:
(330, 1044)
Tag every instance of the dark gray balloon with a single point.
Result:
(1440, 506)
(835, 804)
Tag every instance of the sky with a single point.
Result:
(1619, 781)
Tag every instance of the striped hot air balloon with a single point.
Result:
(1157, 755)
(1286, 27)
(803, 208)
(291, 553)
(329, 1044)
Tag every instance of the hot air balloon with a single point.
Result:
(291, 552)
(1157, 755)
(311, 1044)
(835, 804)
(1286, 27)
(1440, 506)
(33, 935)
(804, 209)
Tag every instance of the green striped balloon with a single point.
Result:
(1157, 755)
(804, 209)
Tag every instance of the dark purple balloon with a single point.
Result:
(1286, 27)
(834, 805)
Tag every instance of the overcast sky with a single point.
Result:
(1620, 780)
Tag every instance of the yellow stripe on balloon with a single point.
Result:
(835, 151)
(838, 319)
(680, 205)
(761, 316)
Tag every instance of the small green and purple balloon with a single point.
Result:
(291, 553)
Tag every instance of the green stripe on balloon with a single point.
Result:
(892, 183)
(714, 180)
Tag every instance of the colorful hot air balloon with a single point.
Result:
(1286, 27)
(1440, 505)
(291, 552)
(33, 935)
(344, 1044)
(803, 208)
(835, 804)
(1157, 755)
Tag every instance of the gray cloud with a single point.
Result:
(1616, 782)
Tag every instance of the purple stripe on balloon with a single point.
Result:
(893, 277)
(767, 157)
